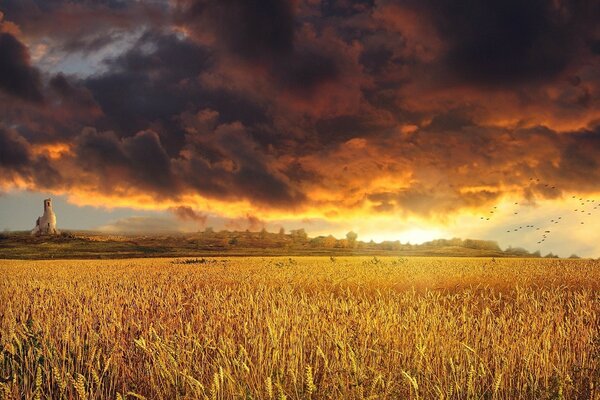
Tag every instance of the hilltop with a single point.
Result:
(90, 245)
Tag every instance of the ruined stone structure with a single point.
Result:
(46, 224)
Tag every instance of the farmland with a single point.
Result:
(300, 328)
(97, 245)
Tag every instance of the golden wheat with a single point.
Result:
(300, 328)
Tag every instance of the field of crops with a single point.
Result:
(300, 328)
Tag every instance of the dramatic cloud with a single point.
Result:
(14, 150)
(140, 160)
(17, 76)
(301, 109)
(260, 32)
(505, 42)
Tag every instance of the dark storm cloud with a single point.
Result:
(253, 175)
(148, 86)
(345, 8)
(77, 96)
(149, 161)
(256, 30)
(141, 160)
(236, 168)
(451, 120)
(595, 46)
(156, 82)
(503, 42)
(345, 127)
(579, 158)
(14, 150)
(305, 70)
(17, 76)
(425, 107)
(17, 160)
(262, 33)
(99, 149)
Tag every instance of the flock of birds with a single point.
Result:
(584, 209)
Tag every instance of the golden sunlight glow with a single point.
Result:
(53, 151)
(413, 236)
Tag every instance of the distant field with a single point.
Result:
(94, 245)
(300, 328)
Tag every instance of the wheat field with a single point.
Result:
(300, 328)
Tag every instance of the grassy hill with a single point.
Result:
(91, 245)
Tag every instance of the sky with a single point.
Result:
(409, 119)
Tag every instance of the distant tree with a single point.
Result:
(263, 233)
(209, 230)
(281, 231)
(574, 256)
(298, 235)
(351, 237)
(317, 241)
(329, 242)
(550, 255)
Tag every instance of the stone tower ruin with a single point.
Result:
(46, 224)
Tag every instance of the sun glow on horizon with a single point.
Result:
(415, 235)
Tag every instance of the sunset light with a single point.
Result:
(299, 199)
